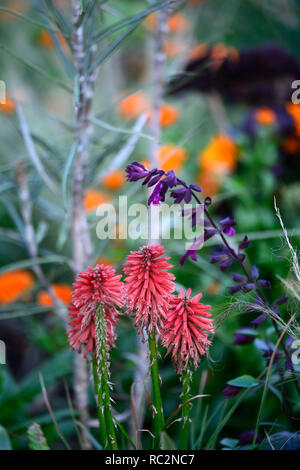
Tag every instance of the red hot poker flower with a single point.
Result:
(185, 330)
(148, 286)
(97, 286)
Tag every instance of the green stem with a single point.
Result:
(184, 435)
(157, 402)
(103, 376)
(100, 406)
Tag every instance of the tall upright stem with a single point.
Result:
(185, 414)
(81, 242)
(102, 383)
(157, 401)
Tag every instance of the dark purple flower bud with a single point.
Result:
(255, 273)
(170, 179)
(218, 257)
(248, 287)
(244, 336)
(156, 196)
(245, 243)
(136, 171)
(246, 437)
(241, 257)
(207, 201)
(194, 187)
(189, 253)
(264, 284)
(226, 264)
(238, 277)
(178, 195)
(209, 232)
(153, 177)
(234, 289)
(188, 195)
(281, 300)
(259, 320)
(227, 226)
(230, 391)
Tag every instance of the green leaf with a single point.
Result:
(67, 170)
(36, 438)
(129, 21)
(5, 443)
(166, 442)
(27, 263)
(112, 47)
(244, 381)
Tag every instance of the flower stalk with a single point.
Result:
(185, 414)
(157, 401)
(102, 384)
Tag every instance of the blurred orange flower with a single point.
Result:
(178, 23)
(171, 157)
(8, 107)
(220, 155)
(13, 284)
(45, 39)
(291, 145)
(294, 111)
(220, 52)
(93, 199)
(133, 105)
(168, 115)
(115, 180)
(209, 182)
(62, 291)
(213, 288)
(265, 116)
(198, 51)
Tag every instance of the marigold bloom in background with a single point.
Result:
(220, 155)
(168, 115)
(8, 107)
(133, 105)
(148, 287)
(210, 182)
(115, 180)
(14, 284)
(220, 52)
(185, 330)
(294, 111)
(178, 23)
(62, 291)
(93, 199)
(265, 116)
(171, 157)
(18, 6)
(98, 286)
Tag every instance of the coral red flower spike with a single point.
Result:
(148, 287)
(97, 286)
(185, 330)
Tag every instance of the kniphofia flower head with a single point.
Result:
(148, 286)
(186, 329)
(96, 287)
